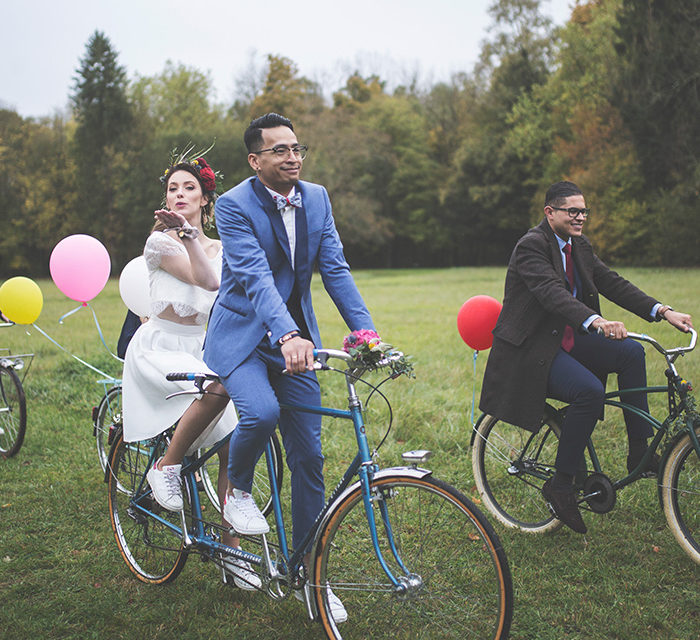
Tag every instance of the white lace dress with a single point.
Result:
(162, 346)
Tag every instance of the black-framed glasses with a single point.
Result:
(282, 151)
(573, 211)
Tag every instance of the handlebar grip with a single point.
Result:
(179, 376)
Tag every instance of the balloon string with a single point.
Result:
(99, 331)
(89, 366)
(476, 355)
(71, 312)
(97, 325)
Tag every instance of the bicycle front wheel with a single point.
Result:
(13, 413)
(454, 574)
(109, 417)
(680, 493)
(510, 466)
(148, 536)
(261, 480)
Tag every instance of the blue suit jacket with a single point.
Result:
(257, 276)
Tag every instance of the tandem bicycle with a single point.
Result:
(405, 552)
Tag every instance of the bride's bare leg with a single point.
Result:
(197, 418)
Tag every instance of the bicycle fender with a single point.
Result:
(406, 472)
(664, 460)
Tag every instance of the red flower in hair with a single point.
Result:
(206, 174)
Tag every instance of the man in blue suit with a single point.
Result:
(274, 229)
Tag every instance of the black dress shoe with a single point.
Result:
(563, 503)
(652, 468)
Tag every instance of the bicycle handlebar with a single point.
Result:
(643, 337)
(190, 375)
(322, 356)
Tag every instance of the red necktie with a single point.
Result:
(567, 341)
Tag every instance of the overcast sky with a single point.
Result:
(43, 40)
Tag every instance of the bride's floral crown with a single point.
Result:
(197, 162)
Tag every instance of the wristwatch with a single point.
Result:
(288, 336)
(661, 313)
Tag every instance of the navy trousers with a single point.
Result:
(257, 387)
(575, 378)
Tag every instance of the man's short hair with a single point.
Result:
(253, 134)
(559, 191)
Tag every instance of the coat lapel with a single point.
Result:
(557, 260)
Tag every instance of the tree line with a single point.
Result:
(446, 175)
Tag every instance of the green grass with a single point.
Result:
(61, 575)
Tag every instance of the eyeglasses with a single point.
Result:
(282, 151)
(573, 211)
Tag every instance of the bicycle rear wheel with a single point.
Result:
(147, 535)
(261, 480)
(510, 466)
(108, 417)
(458, 583)
(13, 412)
(680, 493)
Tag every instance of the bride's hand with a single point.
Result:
(171, 219)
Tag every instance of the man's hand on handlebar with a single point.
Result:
(682, 321)
(298, 355)
(609, 328)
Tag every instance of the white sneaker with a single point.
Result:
(165, 484)
(243, 575)
(241, 512)
(336, 606)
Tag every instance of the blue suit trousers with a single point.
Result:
(576, 378)
(257, 387)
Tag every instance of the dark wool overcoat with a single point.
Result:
(537, 306)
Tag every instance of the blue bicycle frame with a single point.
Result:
(362, 465)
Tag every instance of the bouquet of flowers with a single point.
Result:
(367, 350)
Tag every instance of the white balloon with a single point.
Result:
(133, 287)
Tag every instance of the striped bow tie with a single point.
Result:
(282, 202)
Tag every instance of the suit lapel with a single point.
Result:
(301, 248)
(273, 214)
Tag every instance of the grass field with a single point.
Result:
(61, 575)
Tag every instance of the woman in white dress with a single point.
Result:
(184, 268)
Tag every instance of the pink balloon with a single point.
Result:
(476, 320)
(80, 266)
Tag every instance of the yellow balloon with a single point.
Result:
(21, 300)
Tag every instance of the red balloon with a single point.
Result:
(476, 320)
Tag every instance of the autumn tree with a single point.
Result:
(37, 191)
(284, 91)
(658, 97)
(489, 189)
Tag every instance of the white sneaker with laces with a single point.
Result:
(335, 604)
(241, 512)
(165, 484)
(243, 575)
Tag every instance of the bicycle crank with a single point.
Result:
(599, 493)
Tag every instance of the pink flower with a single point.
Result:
(362, 336)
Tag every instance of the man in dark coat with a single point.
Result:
(551, 341)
